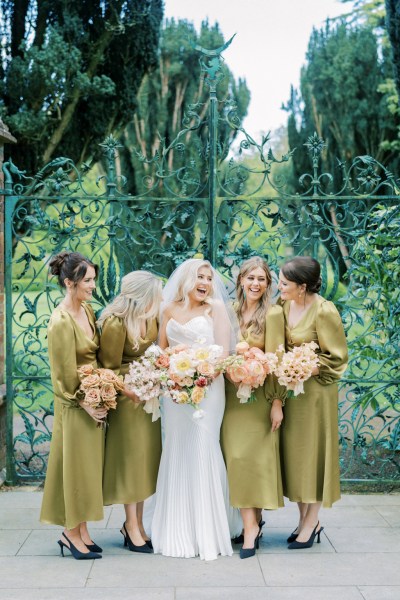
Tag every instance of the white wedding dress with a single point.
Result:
(192, 514)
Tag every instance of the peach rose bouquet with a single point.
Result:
(99, 387)
(191, 371)
(296, 366)
(147, 377)
(248, 368)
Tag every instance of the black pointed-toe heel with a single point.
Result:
(145, 549)
(293, 536)
(94, 547)
(315, 534)
(248, 552)
(77, 554)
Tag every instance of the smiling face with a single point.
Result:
(289, 289)
(254, 284)
(203, 285)
(83, 289)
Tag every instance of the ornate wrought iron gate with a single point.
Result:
(354, 232)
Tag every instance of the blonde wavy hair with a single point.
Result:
(188, 278)
(138, 301)
(258, 318)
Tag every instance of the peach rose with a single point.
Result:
(162, 361)
(207, 369)
(90, 381)
(85, 370)
(242, 347)
(107, 392)
(92, 397)
(197, 395)
(237, 373)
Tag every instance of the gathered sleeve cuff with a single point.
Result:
(274, 337)
(62, 356)
(112, 342)
(332, 343)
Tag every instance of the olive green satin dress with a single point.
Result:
(133, 441)
(309, 435)
(73, 487)
(250, 449)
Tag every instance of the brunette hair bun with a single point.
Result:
(304, 269)
(70, 265)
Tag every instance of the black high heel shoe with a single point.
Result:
(293, 536)
(248, 552)
(94, 547)
(239, 539)
(149, 543)
(145, 549)
(77, 554)
(315, 534)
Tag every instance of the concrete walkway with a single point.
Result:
(358, 559)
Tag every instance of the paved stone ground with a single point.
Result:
(358, 559)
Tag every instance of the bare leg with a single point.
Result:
(250, 526)
(258, 514)
(74, 535)
(85, 536)
(309, 521)
(139, 514)
(302, 506)
(132, 526)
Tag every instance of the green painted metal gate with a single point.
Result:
(226, 211)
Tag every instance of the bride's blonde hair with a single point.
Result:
(139, 300)
(188, 280)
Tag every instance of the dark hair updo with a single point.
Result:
(70, 265)
(303, 269)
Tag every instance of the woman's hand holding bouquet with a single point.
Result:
(248, 369)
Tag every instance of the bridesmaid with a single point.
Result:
(73, 487)
(310, 438)
(250, 436)
(133, 442)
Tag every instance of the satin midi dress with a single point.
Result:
(250, 448)
(310, 435)
(133, 441)
(73, 486)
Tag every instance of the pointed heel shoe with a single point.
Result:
(315, 534)
(77, 554)
(145, 549)
(248, 552)
(293, 536)
(94, 547)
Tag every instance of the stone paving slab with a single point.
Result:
(11, 541)
(380, 593)
(270, 593)
(364, 539)
(391, 514)
(33, 571)
(302, 569)
(90, 594)
(274, 541)
(137, 570)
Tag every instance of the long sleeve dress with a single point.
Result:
(309, 435)
(73, 487)
(250, 448)
(133, 441)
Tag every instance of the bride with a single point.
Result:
(192, 514)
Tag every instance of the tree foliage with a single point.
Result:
(393, 29)
(339, 98)
(71, 70)
(167, 96)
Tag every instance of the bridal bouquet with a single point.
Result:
(99, 387)
(296, 366)
(191, 370)
(146, 378)
(249, 367)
